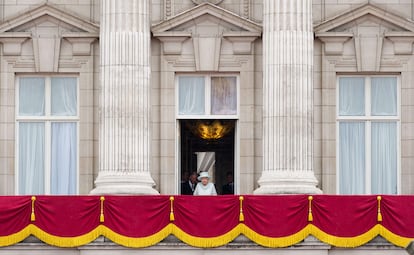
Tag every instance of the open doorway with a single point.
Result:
(211, 141)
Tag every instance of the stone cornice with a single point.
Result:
(334, 42)
(12, 42)
(361, 11)
(52, 11)
(202, 9)
(402, 42)
(81, 42)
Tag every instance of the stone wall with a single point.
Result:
(392, 56)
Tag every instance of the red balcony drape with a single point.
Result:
(207, 221)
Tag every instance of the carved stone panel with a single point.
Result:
(207, 1)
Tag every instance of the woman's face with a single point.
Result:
(204, 180)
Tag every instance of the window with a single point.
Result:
(207, 112)
(47, 141)
(368, 132)
(207, 95)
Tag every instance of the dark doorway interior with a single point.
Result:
(223, 148)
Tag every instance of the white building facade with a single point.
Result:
(293, 96)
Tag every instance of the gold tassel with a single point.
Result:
(172, 218)
(102, 217)
(379, 216)
(32, 215)
(310, 216)
(241, 216)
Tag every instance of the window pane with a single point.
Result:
(64, 158)
(64, 96)
(223, 95)
(31, 96)
(384, 96)
(384, 157)
(352, 157)
(191, 95)
(351, 96)
(31, 158)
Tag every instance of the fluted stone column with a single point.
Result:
(124, 139)
(287, 98)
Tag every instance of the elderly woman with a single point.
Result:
(205, 187)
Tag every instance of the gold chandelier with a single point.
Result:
(211, 130)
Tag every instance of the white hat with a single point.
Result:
(203, 175)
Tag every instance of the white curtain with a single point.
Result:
(224, 95)
(31, 158)
(64, 96)
(351, 96)
(205, 161)
(384, 96)
(191, 94)
(63, 161)
(31, 96)
(384, 158)
(352, 157)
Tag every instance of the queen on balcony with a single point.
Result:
(205, 187)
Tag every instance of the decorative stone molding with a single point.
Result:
(190, 15)
(207, 60)
(207, 1)
(48, 10)
(172, 41)
(402, 41)
(12, 42)
(168, 9)
(240, 32)
(242, 42)
(367, 9)
(246, 9)
(46, 42)
(46, 52)
(334, 42)
(81, 42)
(368, 49)
(357, 25)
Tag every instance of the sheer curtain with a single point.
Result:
(31, 96)
(384, 136)
(35, 138)
(384, 158)
(64, 96)
(31, 158)
(64, 158)
(223, 95)
(205, 161)
(351, 96)
(352, 136)
(352, 157)
(384, 96)
(191, 95)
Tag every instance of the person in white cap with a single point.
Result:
(205, 187)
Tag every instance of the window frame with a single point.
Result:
(236, 117)
(47, 119)
(368, 119)
(207, 97)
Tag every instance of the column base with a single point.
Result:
(127, 184)
(287, 182)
